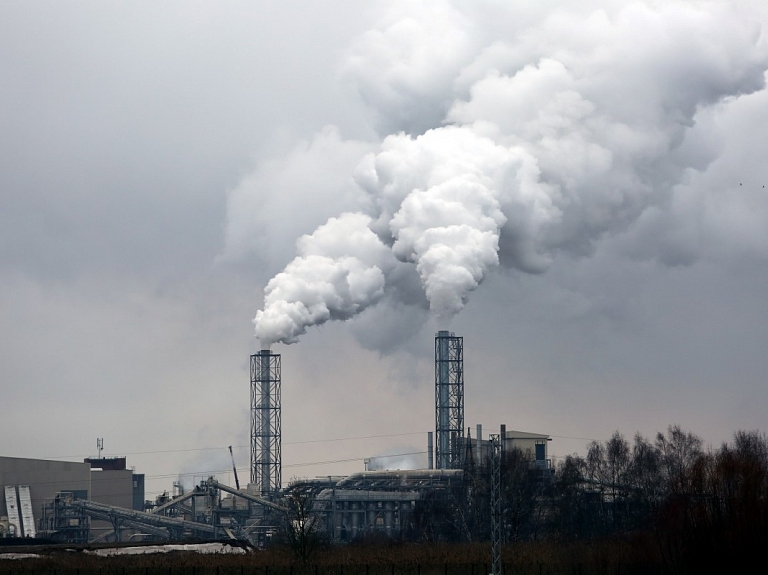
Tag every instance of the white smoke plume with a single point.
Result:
(438, 200)
(339, 271)
(526, 134)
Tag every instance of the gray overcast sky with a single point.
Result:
(158, 162)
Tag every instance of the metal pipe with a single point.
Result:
(172, 502)
(234, 467)
(211, 482)
(140, 516)
(266, 459)
(401, 476)
(479, 440)
(443, 406)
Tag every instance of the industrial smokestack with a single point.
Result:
(266, 458)
(449, 399)
(430, 451)
(443, 403)
(479, 444)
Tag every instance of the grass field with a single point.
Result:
(603, 558)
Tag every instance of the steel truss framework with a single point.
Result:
(496, 564)
(266, 458)
(449, 400)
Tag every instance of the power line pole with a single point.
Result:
(496, 564)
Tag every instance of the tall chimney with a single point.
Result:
(449, 399)
(266, 458)
(430, 451)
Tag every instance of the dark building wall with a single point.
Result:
(106, 463)
(45, 478)
(138, 491)
(112, 487)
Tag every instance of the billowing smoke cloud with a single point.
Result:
(520, 138)
(340, 270)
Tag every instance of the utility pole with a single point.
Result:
(496, 564)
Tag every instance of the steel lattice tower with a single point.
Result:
(266, 459)
(496, 564)
(449, 399)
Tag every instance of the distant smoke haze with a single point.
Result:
(407, 458)
(511, 138)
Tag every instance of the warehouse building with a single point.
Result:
(28, 484)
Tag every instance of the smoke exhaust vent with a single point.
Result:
(266, 459)
(449, 399)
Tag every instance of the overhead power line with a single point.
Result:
(226, 447)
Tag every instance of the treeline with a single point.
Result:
(697, 507)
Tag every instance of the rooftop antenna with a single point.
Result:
(100, 445)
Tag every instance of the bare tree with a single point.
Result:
(645, 479)
(616, 469)
(302, 529)
(569, 517)
(520, 493)
(679, 451)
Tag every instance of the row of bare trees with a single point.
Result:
(695, 503)
(699, 506)
(619, 487)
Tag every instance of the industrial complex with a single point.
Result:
(101, 499)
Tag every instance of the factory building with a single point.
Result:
(43, 478)
(113, 484)
(30, 485)
(533, 445)
(102, 499)
(378, 501)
